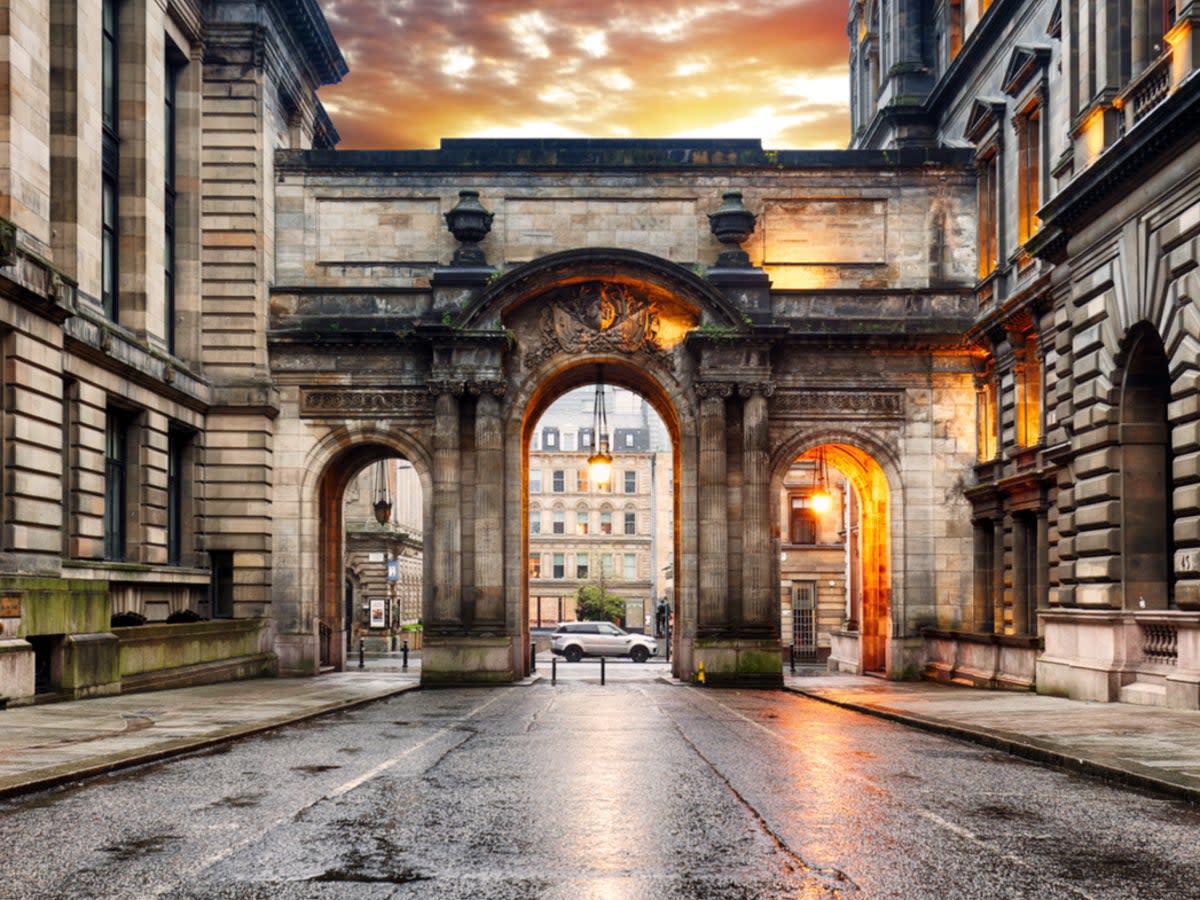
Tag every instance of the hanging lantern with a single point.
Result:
(821, 498)
(383, 498)
(600, 462)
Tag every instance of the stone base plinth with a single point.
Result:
(845, 655)
(297, 655)
(16, 672)
(739, 663)
(458, 660)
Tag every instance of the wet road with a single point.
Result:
(639, 789)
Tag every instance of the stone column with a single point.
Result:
(756, 507)
(713, 512)
(1023, 579)
(1042, 579)
(489, 510)
(982, 619)
(447, 509)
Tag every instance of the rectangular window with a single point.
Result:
(606, 522)
(174, 65)
(581, 481)
(558, 522)
(630, 482)
(550, 438)
(1029, 173)
(559, 481)
(630, 566)
(110, 162)
(221, 586)
(559, 566)
(630, 522)
(1028, 370)
(803, 526)
(176, 449)
(985, 417)
(568, 441)
(535, 521)
(581, 522)
(535, 565)
(535, 480)
(606, 565)
(581, 566)
(988, 222)
(116, 437)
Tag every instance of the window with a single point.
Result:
(116, 437)
(606, 522)
(1027, 368)
(988, 215)
(985, 415)
(630, 481)
(535, 521)
(630, 522)
(558, 481)
(629, 569)
(221, 586)
(170, 95)
(177, 445)
(558, 522)
(535, 480)
(581, 480)
(568, 441)
(550, 438)
(581, 566)
(629, 439)
(535, 565)
(559, 566)
(111, 162)
(1029, 172)
(803, 522)
(606, 564)
(581, 521)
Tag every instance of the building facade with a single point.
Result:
(1083, 121)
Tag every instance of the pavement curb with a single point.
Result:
(68, 773)
(1020, 746)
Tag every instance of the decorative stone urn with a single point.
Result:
(470, 223)
(731, 224)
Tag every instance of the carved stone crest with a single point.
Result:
(596, 317)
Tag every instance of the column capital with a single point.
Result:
(756, 388)
(494, 388)
(453, 386)
(718, 389)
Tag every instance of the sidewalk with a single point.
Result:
(53, 743)
(1141, 746)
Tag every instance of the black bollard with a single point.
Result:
(602, 670)
(404, 655)
(361, 651)
(554, 671)
(792, 657)
(532, 656)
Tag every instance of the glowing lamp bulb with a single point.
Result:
(600, 467)
(821, 501)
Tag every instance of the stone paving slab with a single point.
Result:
(1142, 746)
(41, 746)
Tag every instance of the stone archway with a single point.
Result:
(663, 332)
(863, 644)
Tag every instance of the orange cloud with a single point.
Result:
(421, 70)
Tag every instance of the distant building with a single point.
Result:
(616, 535)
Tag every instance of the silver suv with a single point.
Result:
(575, 640)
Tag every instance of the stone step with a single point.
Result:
(1144, 693)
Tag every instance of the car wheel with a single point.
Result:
(573, 654)
(639, 654)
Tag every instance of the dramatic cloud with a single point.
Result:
(421, 70)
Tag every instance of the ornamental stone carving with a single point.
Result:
(597, 317)
(719, 389)
(881, 404)
(364, 402)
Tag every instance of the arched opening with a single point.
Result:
(372, 511)
(834, 561)
(1147, 543)
(600, 549)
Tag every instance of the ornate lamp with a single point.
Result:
(383, 495)
(600, 462)
(821, 498)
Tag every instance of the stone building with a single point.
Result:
(980, 316)
(1083, 120)
(615, 535)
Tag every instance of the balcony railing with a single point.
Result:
(1147, 90)
(1160, 644)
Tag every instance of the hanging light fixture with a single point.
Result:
(600, 462)
(821, 498)
(383, 494)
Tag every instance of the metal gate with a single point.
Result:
(804, 621)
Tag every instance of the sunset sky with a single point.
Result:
(421, 70)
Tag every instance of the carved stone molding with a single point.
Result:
(596, 317)
(455, 386)
(720, 389)
(477, 387)
(326, 401)
(750, 388)
(875, 404)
